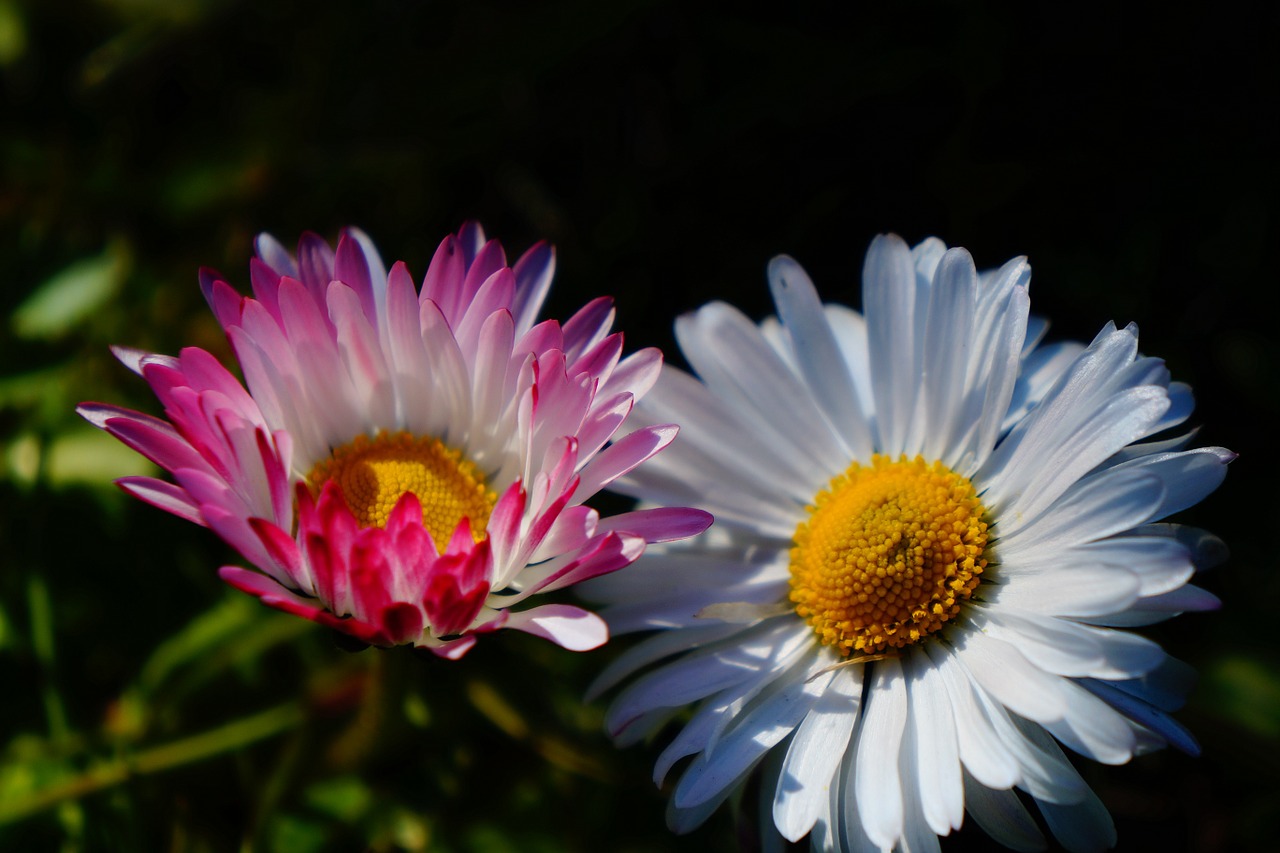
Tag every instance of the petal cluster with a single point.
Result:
(1075, 455)
(334, 348)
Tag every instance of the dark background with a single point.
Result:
(669, 150)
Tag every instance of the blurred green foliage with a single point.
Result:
(669, 150)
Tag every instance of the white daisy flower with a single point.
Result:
(930, 532)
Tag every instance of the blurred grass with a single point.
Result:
(669, 150)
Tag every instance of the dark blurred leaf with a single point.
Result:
(72, 296)
(1247, 691)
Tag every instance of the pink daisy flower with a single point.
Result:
(404, 464)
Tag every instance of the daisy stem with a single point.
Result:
(225, 738)
(41, 609)
(42, 644)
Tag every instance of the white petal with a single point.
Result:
(814, 755)
(1096, 508)
(817, 355)
(878, 786)
(774, 715)
(1091, 727)
(1083, 827)
(1002, 816)
(889, 301)
(936, 769)
(733, 358)
(1009, 677)
(981, 751)
(1078, 591)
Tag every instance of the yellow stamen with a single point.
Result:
(375, 473)
(888, 554)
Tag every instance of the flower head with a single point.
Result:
(403, 464)
(931, 533)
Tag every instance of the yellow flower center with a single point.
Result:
(375, 473)
(888, 554)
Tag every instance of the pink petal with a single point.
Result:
(279, 545)
(661, 524)
(454, 649)
(622, 456)
(457, 587)
(275, 256)
(274, 595)
(534, 272)
(505, 520)
(565, 625)
(442, 284)
(315, 265)
(588, 327)
(223, 299)
(609, 553)
(265, 282)
(402, 622)
(163, 495)
(351, 268)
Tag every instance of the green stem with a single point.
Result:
(42, 645)
(156, 759)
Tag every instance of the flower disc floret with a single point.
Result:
(888, 554)
(375, 473)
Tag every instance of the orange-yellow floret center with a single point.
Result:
(888, 554)
(375, 473)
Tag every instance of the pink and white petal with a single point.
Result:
(489, 390)
(452, 649)
(573, 529)
(351, 268)
(494, 295)
(274, 595)
(153, 438)
(622, 456)
(534, 271)
(563, 624)
(137, 359)
(163, 495)
(451, 383)
(442, 283)
(636, 374)
(602, 421)
(606, 554)
(224, 301)
(658, 524)
(587, 327)
(315, 263)
(361, 353)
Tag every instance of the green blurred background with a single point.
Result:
(669, 150)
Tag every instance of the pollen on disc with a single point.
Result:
(887, 555)
(375, 473)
